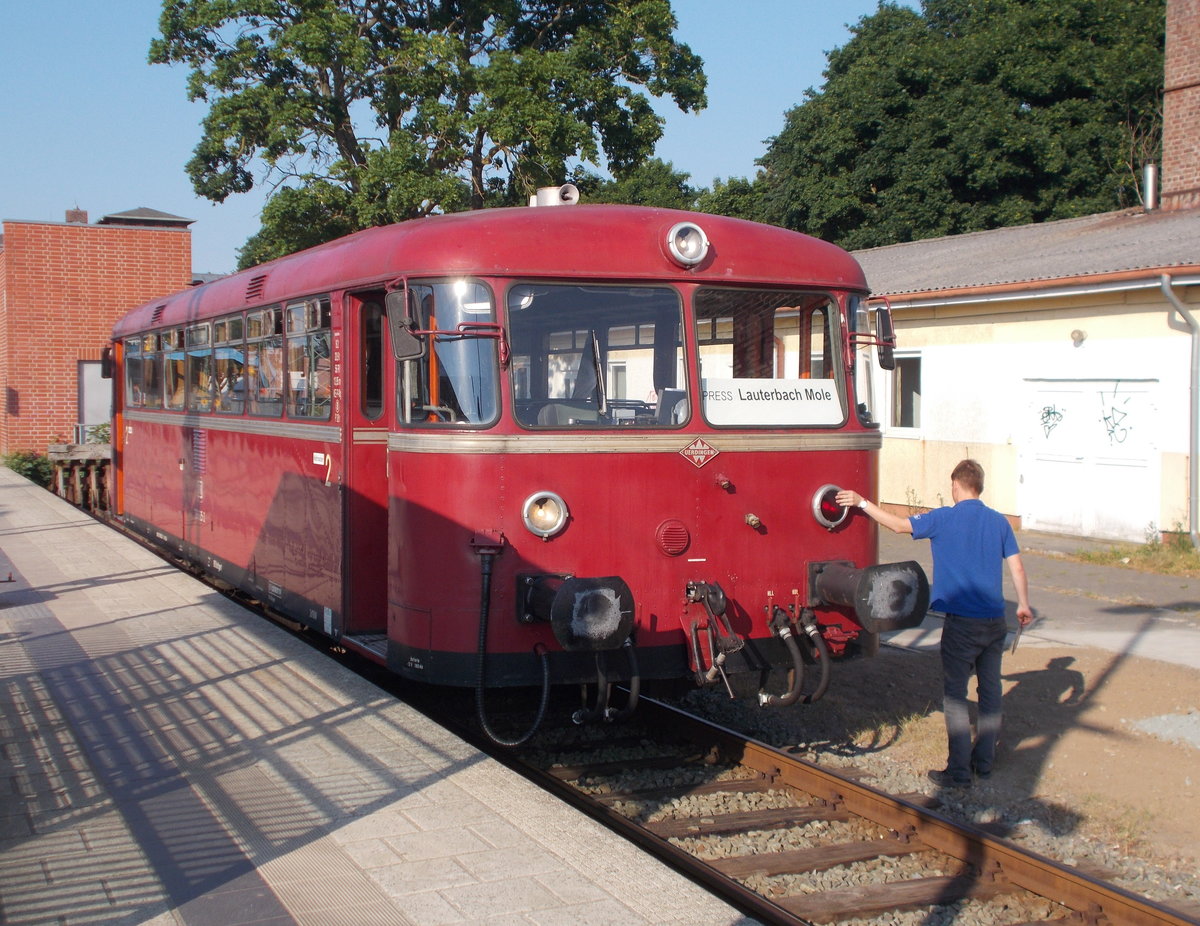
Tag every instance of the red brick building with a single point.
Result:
(62, 285)
(1181, 106)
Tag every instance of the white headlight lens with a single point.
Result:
(544, 513)
(687, 243)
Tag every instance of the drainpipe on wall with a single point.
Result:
(1194, 405)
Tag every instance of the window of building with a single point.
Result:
(906, 393)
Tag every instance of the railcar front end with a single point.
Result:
(596, 479)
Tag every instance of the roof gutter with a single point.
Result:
(1042, 289)
(1194, 405)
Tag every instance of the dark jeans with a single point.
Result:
(971, 645)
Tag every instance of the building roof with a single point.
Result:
(1131, 243)
(144, 216)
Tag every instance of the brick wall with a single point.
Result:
(1181, 106)
(62, 286)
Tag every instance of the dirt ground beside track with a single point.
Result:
(1083, 738)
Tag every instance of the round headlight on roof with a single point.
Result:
(687, 243)
(544, 514)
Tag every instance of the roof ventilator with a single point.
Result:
(565, 195)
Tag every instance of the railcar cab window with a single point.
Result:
(143, 371)
(455, 382)
(264, 362)
(199, 368)
(309, 374)
(597, 356)
(229, 364)
(769, 358)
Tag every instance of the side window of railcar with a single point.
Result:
(134, 379)
(174, 374)
(371, 360)
(308, 362)
(264, 362)
(769, 358)
(455, 383)
(229, 364)
(152, 371)
(597, 356)
(199, 368)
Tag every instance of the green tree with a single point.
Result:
(362, 112)
(650, 183)
(737, 197)
(968, 115)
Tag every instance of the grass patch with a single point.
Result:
(1172, 557)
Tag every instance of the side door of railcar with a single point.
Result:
(293, 358)
(368, 409)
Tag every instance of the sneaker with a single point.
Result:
(943, 778)
(983, 773)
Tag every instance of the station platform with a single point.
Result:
(166, 757)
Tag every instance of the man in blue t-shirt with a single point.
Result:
(970, 542)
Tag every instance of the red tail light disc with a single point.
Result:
(826, 510)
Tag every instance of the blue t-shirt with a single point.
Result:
(970, 543)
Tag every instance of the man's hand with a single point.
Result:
(848, 498)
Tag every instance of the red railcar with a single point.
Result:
(528, 446)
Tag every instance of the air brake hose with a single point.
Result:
(808, 622)
(783, 629)
(485, 570)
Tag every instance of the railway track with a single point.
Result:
(791, 842)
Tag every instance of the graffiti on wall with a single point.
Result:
(1051, 418)
(1093, 414)
(1116, 415)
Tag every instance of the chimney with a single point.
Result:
(77, 216)
(1181, 107)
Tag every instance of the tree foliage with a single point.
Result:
(968, 115)
(364, 112)
(650, 183)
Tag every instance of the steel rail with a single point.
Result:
(996, 861)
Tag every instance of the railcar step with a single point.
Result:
(372, 642)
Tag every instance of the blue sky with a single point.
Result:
(88, 123)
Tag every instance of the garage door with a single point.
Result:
(1088, 460)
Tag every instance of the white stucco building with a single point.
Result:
(1062, 356)
(1053, 355)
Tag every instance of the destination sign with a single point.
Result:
(771, 401)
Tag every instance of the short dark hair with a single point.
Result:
(969, 474)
